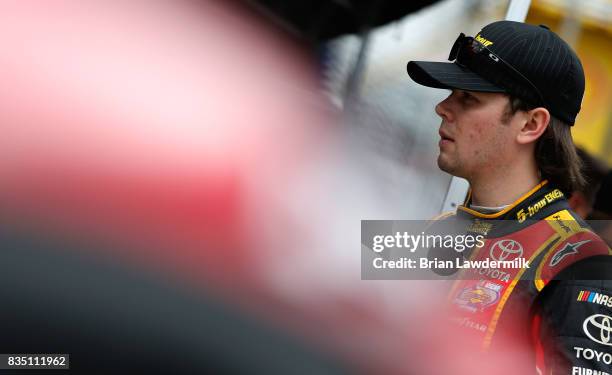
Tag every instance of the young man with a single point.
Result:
(516, 90)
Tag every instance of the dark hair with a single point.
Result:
(555, 152)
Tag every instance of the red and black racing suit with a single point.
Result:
(561, 305)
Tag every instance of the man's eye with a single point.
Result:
(468, 96)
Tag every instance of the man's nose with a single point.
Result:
(443, 110)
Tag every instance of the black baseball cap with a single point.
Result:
(527, 61)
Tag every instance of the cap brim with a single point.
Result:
(443, 75)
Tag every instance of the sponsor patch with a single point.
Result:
(594, 297)
(482, 40)
(492, 273)
(598, 328)
(480, 227)
(593, 355)
(468, 323)
(587, 371)
(506, 249)
(523, 214)
(568, 249)
(478, 297)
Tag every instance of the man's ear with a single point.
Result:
(536, 122)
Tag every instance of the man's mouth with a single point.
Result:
(444, 136)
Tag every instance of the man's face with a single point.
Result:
(475, 139)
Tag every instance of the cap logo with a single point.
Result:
(484, 41)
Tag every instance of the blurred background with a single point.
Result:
(183, 181)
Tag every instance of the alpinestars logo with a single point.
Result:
(568, 249)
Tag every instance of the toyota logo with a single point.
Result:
(506, 250)
(601, 325)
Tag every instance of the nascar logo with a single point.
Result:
(594, 297)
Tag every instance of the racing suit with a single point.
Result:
(561, 304)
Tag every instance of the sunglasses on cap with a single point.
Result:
(471, 54)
